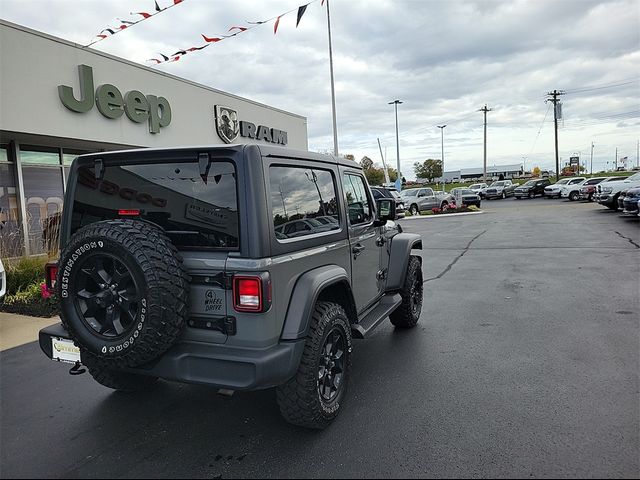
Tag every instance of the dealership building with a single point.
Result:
(59, 99)
(475, 174)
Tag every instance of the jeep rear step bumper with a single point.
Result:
(221, 366)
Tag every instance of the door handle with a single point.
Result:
(357, 250)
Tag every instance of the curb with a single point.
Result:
(448, 215)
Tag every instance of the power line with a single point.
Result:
(618, 83)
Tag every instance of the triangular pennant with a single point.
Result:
(210, 39)
(242, 29)
(158, 9)
(301, 11)
(145, 15)
(275, 26)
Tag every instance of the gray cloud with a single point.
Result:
(444, 59)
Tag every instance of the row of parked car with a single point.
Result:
(616, 193)
(613, 192)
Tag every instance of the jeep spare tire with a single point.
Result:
(123, 292)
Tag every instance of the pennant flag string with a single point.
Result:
(237, 31)
(124, 24)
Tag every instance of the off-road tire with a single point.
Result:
(118, 380)
(408, 313)
(161, 292)
(299, 399)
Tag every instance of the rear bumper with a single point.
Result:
(217, 365)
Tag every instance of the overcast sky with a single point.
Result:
(443, 59)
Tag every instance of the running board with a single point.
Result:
(375, 317)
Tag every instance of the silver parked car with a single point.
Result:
(423, 199)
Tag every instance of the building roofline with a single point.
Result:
(15, 26)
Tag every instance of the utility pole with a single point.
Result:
(484, 168)
(555, 94)
(591, 158)
(638, 154)
(616, 168)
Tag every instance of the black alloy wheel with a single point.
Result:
(331, 367)
(106, 295)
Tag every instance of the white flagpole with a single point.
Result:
(333, 90)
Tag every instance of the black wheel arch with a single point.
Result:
(328, 283)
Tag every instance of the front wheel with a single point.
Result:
(504, 195)
(408, 313)
(531, 195)
(313, 397)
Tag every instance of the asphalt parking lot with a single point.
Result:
(525, 363)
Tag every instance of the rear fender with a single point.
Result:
(308, 289)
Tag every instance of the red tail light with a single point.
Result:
(51, 272)
(128, 213)
(251, 293)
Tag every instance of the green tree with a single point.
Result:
(428, 169)
(375, 176)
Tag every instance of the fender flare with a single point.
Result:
(401, 246)
(305, 294)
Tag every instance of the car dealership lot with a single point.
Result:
(525, 362)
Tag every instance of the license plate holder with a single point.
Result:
(64, 350)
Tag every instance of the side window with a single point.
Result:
(303, 201)
(358, 203)
(429, 192)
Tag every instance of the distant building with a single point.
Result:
(494, 171)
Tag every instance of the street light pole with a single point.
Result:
(333, 89)
(399, 179)
(441, 127)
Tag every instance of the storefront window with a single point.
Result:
(31, 157)
(44, 196)
(11, 239)
(4, 154)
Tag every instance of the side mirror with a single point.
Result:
(386, 211)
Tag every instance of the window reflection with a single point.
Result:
(303, 201)
(44, 198)
(39, 157)
(11, 239)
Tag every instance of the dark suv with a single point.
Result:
(242, 267)
(381, 192)
(531, 188)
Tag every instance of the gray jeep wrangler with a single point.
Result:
(242, 267)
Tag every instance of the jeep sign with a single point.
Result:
(110, 102)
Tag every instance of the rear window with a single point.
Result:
(195, 212)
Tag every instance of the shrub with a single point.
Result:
(33, 300)
(24, 273)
